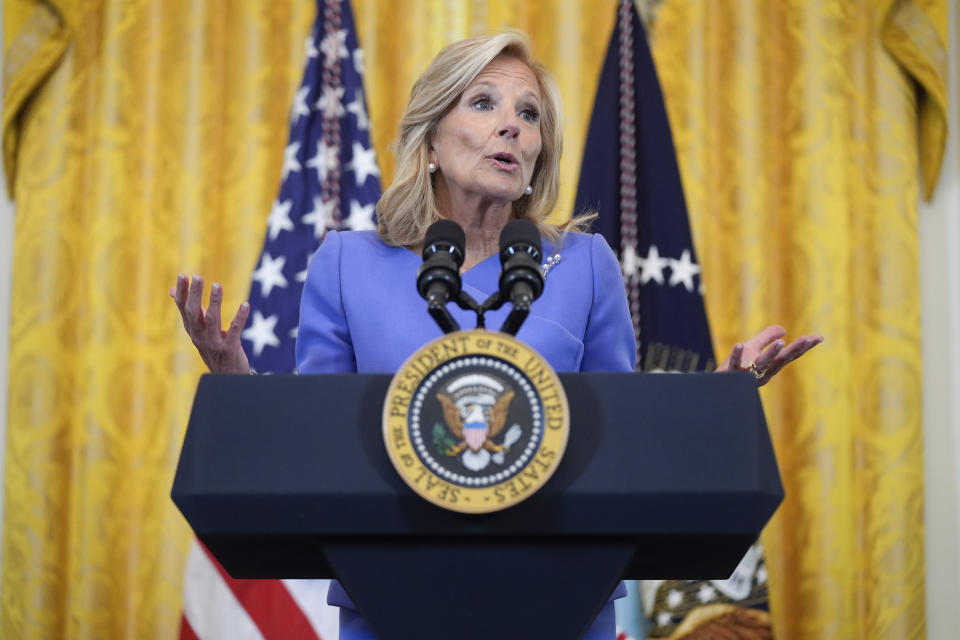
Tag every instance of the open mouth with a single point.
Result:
(503, 160)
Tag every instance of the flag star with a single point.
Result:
(706, 593)
(261, 332)
(279, 219)
(629, 262)
(290, 162)
(364, 163)
(270, 273)
(683, 270)
(334, 44)
(300, 107)
(322, 217)
(663, 619)
(652, 266)
(356, 108)
(361, 217)
(331, 102)
(674, 599)
(293, 333)
(325, 159)
(358, 60)
(312, 51)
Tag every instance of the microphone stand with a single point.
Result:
(437, 308)
(519, 313)
(438, 311)
(466, 302)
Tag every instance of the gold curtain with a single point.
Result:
(796, 125)
(145, 137)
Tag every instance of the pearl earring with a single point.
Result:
(431, 167)
(528, 190)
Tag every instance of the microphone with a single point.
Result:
(438, 279)
(521, 279)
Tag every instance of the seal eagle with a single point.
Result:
(474, 431)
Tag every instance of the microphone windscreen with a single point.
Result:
(446, 231)
(519, 232)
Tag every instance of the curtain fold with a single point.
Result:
(34, 36)
(915, 34)
(800, 129)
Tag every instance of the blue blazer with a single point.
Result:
(360, 310)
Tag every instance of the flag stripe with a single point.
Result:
(210, 608)
(270, 606)
(311, 596)
(186, 631)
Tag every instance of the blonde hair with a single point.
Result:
(409, 205)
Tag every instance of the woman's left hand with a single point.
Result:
(765, 354)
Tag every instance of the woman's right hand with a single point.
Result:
(221, 350)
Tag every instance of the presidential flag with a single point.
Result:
(330, 180)
(631, 178)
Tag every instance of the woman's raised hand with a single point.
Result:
(765, 354)
(221, 350)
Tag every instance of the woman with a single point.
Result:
(479, 143)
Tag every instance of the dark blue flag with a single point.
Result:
(330, 180)
(631, 178)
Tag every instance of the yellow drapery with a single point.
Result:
(145, 137)
(150, 143)
(796, 125)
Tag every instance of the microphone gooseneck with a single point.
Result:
(438, 279)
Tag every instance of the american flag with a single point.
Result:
(330, 180)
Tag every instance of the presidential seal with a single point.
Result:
(475, 421)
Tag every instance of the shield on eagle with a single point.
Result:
(475, 427)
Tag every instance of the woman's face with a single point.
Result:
(487, 145)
